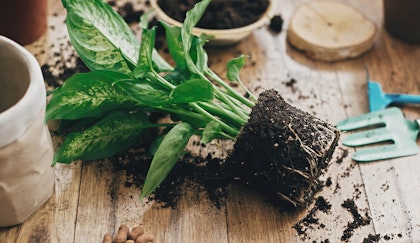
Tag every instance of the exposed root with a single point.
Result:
(282, 152)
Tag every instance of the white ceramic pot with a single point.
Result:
(26, 152)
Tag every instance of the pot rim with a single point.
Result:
(17, 119)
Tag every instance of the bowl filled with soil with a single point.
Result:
(226, 21)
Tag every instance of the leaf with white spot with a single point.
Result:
(87, 95)
(114, 133)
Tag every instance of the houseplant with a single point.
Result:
(130, 80)
(26, 152)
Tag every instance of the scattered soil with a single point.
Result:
(128, 12)
(229, 14)
(344, 154)
(282, 151)
(372, 238)
(57, 73)
(310, 221)
(201, 171)
(291, 84)
(276, 23)
(328, 182)
(358, 221)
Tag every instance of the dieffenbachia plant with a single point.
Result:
(129, 80)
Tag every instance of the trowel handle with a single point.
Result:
(404, 98)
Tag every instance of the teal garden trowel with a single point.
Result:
(379, 100)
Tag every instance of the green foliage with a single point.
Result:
(234, 66)
(167, 154)
(192, 91)
(113, 133)
(109, 106)
(87, 95)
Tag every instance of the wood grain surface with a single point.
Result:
(90, 198)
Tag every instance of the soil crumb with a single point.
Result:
(344, 153)
(358, 219)
(372, 238)
(276, 24)
(310, 221)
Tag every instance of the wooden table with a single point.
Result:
(90, 199)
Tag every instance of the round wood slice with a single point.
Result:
(330, 31)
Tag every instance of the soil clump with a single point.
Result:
(282, 151)
(358, 221)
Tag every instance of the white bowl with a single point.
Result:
(221, 37)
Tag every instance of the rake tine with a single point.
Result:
(377, 135)
(365, 120)
(369, 119)
(384, 152)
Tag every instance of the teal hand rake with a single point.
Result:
(390, 126)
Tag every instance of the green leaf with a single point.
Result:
(155, 145)
(191, 19)
(199, 54)
(211, 131)
(102, 38)
(76, 125)
(145, 64)
(87, 95)
(174, 42)
(144, 92)
(177, 76)
(234, 66)
(168, 153)
(144, 19)
(192, 91)
(160, 64)
(114, 133)
(100, 35)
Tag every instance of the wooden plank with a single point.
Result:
(195, 219)
(251, 219)
(96, 209)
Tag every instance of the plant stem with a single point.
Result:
(163, 81)
(223, 113)
(230, 130)
(229, 89)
